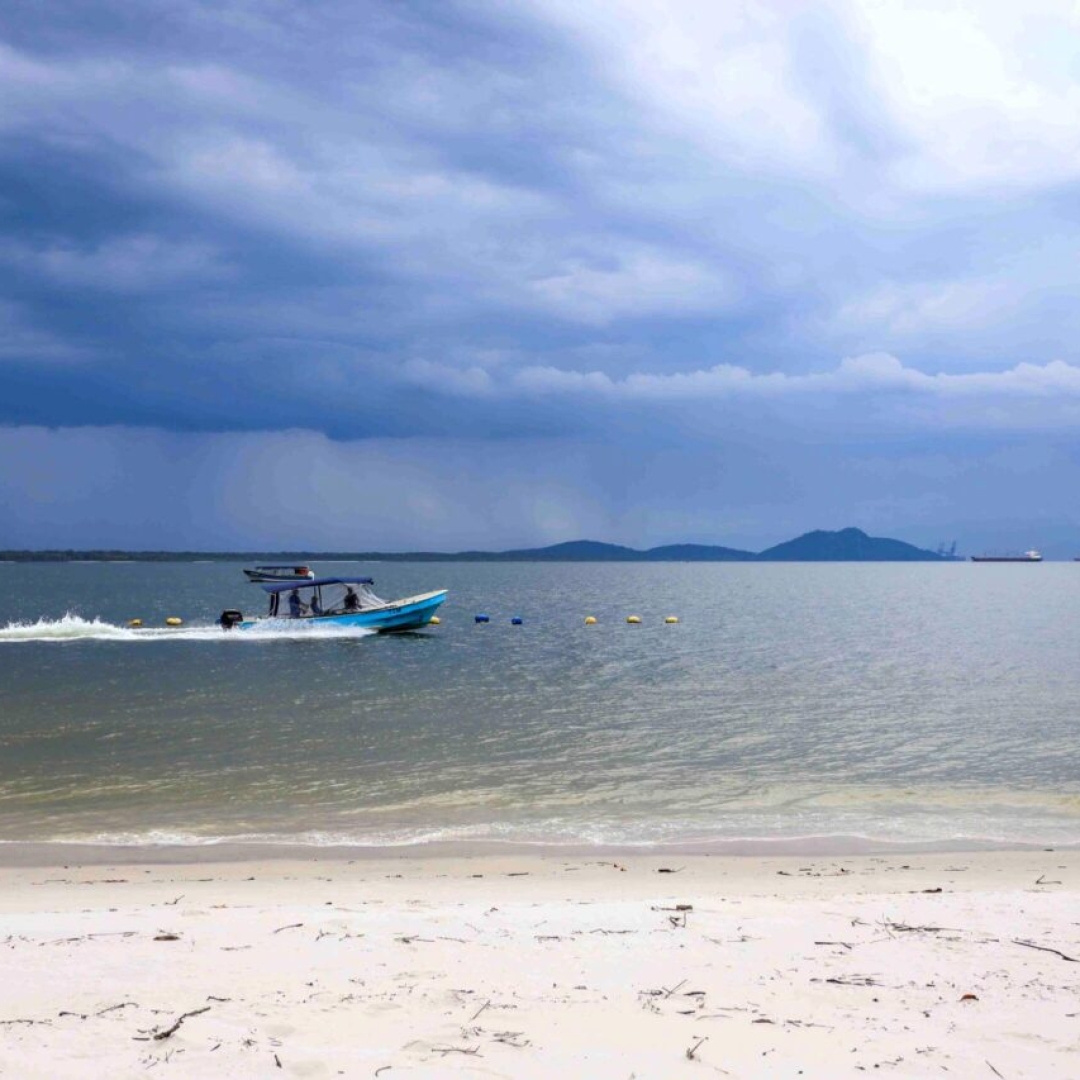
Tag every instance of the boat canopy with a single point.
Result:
(281, 566)
(287, 586)
(321, 598)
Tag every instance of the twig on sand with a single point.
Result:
(993, 1070)
(904, 928)
(668, 993)
(479, 1011)
(694, 1049)
(172, 1030)
(1046, 948)
(113, 1008)
(511, 1038)
(291, 926)
(470, 1051)
(1040, 880)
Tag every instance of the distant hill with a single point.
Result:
(571, 551)
(847, 545)
(697, 553)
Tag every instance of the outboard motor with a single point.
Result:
(230, 619)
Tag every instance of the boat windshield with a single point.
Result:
(326, 598)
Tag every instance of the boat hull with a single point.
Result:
(410, 613)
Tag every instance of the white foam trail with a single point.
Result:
(75, 628)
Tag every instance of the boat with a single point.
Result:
(1027, 556)
(337, 601)
(280, 573)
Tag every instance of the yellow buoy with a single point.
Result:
(672, 619)
(633, 618)
(434, 620)
(172, 620)
(590, 620)
(134, 622)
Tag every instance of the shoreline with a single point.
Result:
(530, 966)
(28, 853)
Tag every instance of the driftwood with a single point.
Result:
(175, 1027)
(1046, 948)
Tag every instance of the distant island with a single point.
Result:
(845, 545)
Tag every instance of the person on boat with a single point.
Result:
(296, 605)
(315, 608)
(352, 601)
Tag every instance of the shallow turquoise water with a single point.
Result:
(919, 702)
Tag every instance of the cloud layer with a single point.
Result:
(692, 229)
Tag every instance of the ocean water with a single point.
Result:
(934, 703)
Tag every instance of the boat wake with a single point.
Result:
(75, 628)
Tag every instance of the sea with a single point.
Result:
(864, 705)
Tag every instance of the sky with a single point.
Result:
(437, 275)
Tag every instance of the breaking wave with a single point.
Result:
(76, 628)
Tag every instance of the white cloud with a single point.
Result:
(134, 263)
(987, 92)
(718, 74)
(870, 373)
(636, 283)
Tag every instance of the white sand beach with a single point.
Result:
(543, 966)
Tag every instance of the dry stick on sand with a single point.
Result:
(1046, 948)
(169, 1031)
(694, 1049)
(113, 1008)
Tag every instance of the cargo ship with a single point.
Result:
(1027, 556)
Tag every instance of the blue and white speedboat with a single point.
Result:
(338, 601)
